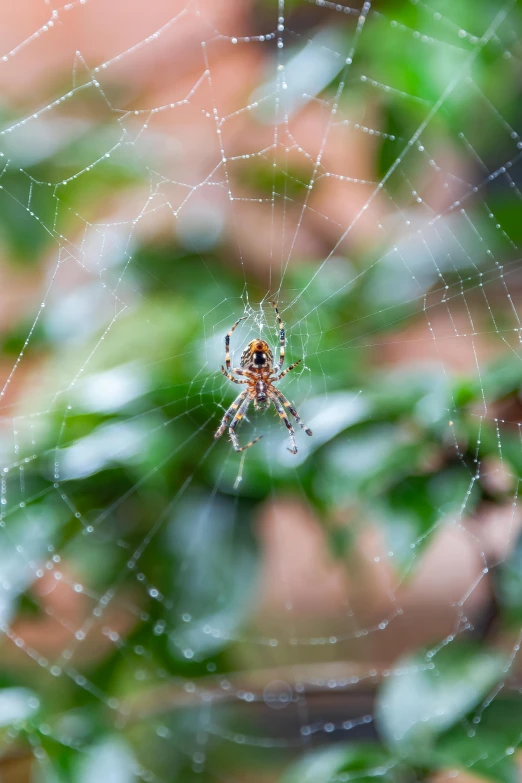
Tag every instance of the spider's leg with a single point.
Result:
(288, 405)
(231, 377)
(227, 342)
(282, 415)
(282, 341)
(288, 369)
(245, 373)
(230, 413)
(237, 418)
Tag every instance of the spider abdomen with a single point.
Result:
(257, 355)
(259, 359)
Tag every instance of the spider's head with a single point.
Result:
(261, 400)
(257, 355)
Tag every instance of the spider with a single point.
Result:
(259, 378)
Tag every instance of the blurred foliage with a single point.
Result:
(433, 715)
(51, 192)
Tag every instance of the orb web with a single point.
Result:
(196, 164)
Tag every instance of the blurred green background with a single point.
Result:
(171, 610)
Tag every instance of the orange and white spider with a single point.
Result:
(259, 378)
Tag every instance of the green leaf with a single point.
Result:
(111, 759)
(484, 744)
(366, 761)
(432, 693)
(508, 584)
(17, 704)
(409, 511)
(503, 718)
(483, 755)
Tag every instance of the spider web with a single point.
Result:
(262, 138)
